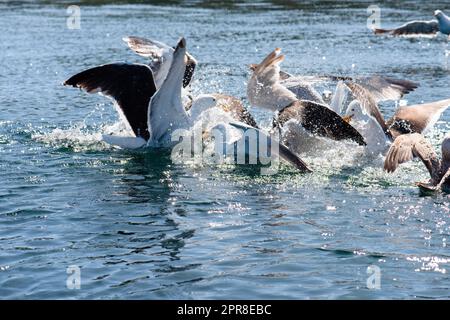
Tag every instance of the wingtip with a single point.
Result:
(389, 166)
(71, 82)
(292, 158)
(131, 40)
(357, 137)
(181, 43)
(301, 165)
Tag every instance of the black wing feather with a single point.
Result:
(319, 120)
(130, 85)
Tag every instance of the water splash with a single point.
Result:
(81, 137)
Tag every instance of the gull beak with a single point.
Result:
(226, 107)
(348, 118)
(253, 66)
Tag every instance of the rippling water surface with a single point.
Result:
(142, 227)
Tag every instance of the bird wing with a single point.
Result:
(381, 88)
(264, 89)
(130, 85)
(445, 181)
(236, 108)
(148, 48)
(269, 68)
(302, 90)
(283, 151)
(339, 96)
(368, 102)
(191, 63)
(159, 54)
(413, 28)
(418, 118)
(285, 75)
(408, 146)
(166, 112)
(320, 120)
(385, 88)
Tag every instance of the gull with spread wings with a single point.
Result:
(408, 146)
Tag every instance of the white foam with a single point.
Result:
(80, 137)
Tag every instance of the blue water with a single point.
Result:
(139, 226)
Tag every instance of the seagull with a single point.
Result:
(374, 135)
(424, 28)
(234, 106)
(155, 114)
(407, 119)
(161, 56)
(383, 88)
(408, 146)
(264, 90)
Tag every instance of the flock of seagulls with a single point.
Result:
(153, 100)
(153, 113)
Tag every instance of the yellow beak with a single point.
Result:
(348, 118)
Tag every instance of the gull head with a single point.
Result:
(252, 66)
(355, 112)
(438, 13)
(202, 103)
(327, 95)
